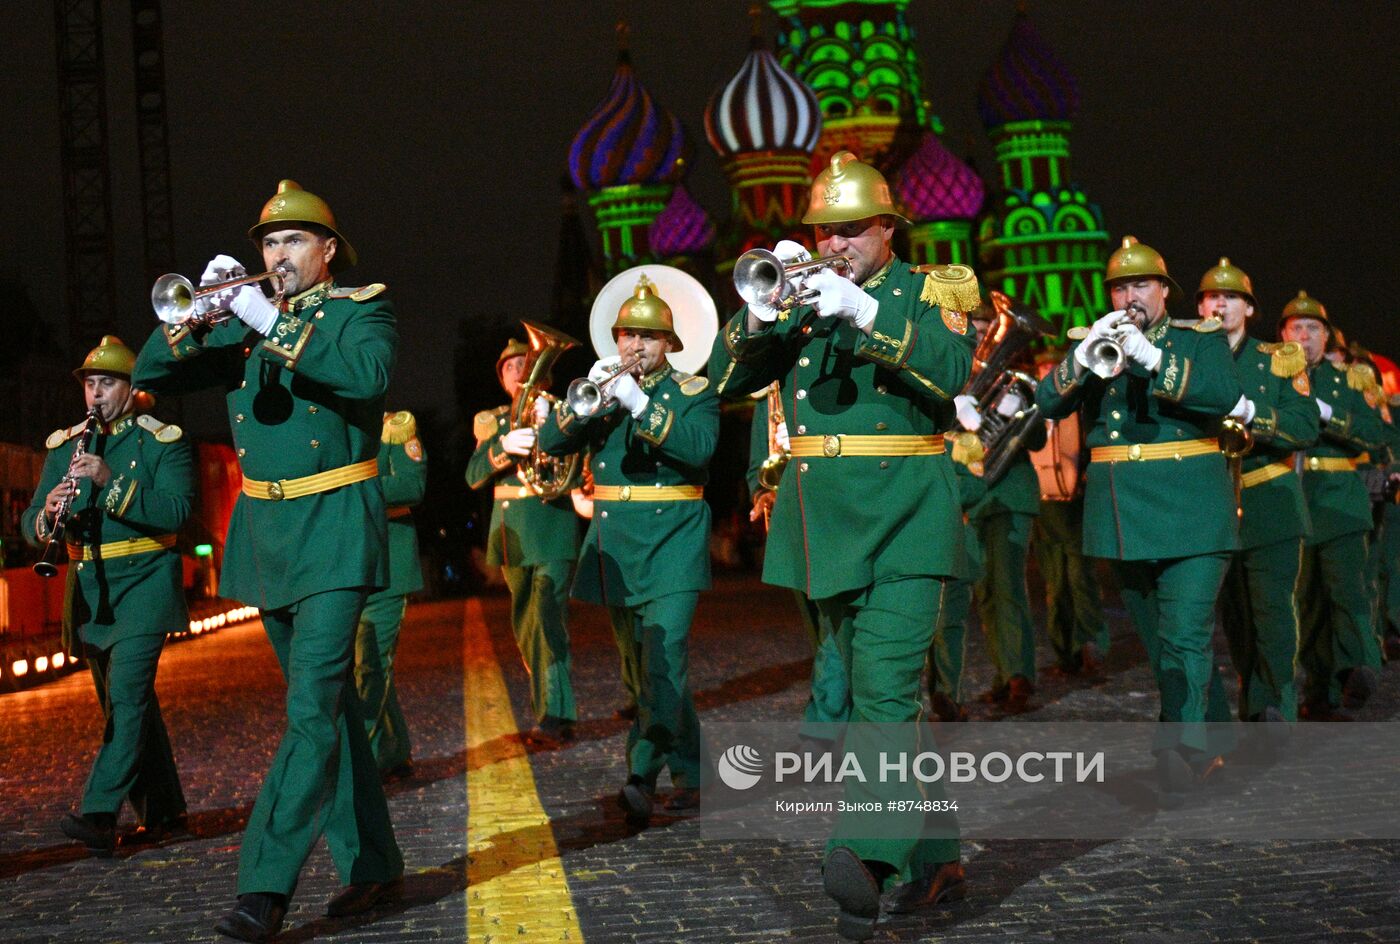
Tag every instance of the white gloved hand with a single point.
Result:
(780, 435)
(603, 367)
(1010, 404)
(542, 407)
(518, 442)
(1325, 409)
(790, 252)
(1105, 327)
(968, 417)
(626, 392)
(253, 308)
(220, 269)
(1138, 349)
(1244, 410)
(842, 298)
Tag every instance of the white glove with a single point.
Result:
(1138, 349)
(220, 269)
(842, 298)
(519, 442)
(790, 252)
(1105, 327)
(253, 308)
(1009, 405)
(602, 368)
(1325, 409)
(542, 408)
(780, 435)
(1244, 410)
(627, 393)
(968, 416)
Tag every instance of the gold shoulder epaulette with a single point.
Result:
(950, 287)
(690, 384)
(1203, 325)
(1268, 347)
(163, 432)
(399, 428)
(360, 294)
(1077, 333)
(1286, 358)
(1360, 377)
(60, 436)
(484, 425)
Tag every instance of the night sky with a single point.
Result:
(1265, 131)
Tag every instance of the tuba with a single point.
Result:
(547, 476)
(1005, 397)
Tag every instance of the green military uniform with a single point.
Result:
(1335, 631)
(535, 543)
(1003, 520)
(403, 475)
(948, 651)
(867, 519)
(1257, 606)
(829, 698)
(646, 554)
(123, 595)
(307, 400)
(1159, 499)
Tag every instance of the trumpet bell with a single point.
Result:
(759, 279)
(172, 297)
(1106, 358)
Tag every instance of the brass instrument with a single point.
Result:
(174, 297)
(1106, 358)
(47, 566)
(1236, 440)
(770, 473)
(761, 278)
(587, 397)
(547, 476)
(994, 383)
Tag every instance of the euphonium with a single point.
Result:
(47, 566)
(770, 473)
(545, 475)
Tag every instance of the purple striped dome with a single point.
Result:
(935, 184)
(682, 229)
(629, 139)
(1027, 82)
(763, 108)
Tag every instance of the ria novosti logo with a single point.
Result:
(740, 767)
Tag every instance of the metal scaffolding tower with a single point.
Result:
(152, 138)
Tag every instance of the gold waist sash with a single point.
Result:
(87, 552)
(841, 444)
(311, 484)
(511, 491)
(1147, 452)
(1266, 473)
(647, 493)
(1336, 464)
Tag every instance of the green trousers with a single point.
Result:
(948, 650)
(134, 762)
(1375, 569)
(1172, 604)
(1003, 604)
(323, 777)
(829, 696)
(1389, 624)
(376, 644)
(654, 640)
(1073, 603)
(883, 634)
(1260, 618)
(1334, 616)
(539, 615)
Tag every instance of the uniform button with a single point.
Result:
(315, 444)
(1113, 434)
(881, 426)
(802, 394)
(1117, 415)
(1260, 366)
(880, 388)
(658, 511)
(133, 463)
(506, 503)
(1180, 433)
(602, 465)
(1113, 391)
(238, 418)
(884, 465)
(313, 409)
(242, 452)
(320, 314)
(802, 467)
(801, 430)
(665, 396)
(80, 565)
(242, 385)
(605, 514)
(803, 361)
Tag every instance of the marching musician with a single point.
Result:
(646, 554)
(948, 651)
(867, 392)
(1337, 646)
(403, 475)
(305, 380)
(1003, 519)
(128, 495)
(1257, 607)
(535, 543)
(1152, 428)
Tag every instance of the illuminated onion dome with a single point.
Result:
(629, 139)
(763, 108)
(682, 229)
(1028, 82)
(935, 184)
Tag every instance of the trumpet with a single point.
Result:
(173, 296)
(47, 566)
(1106, 358)
(761, 278)
(586, 397)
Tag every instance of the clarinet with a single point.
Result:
(47, 566)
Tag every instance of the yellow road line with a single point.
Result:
(516, 888)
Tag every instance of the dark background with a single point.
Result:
(438, 131)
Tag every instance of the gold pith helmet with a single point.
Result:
(513, 348)
(849, 189)
(1227, 278)
(1134, 260)
(1304, 306)
(646, 311)
(291, 205)
(111, 356)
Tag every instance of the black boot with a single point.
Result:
(257, 917)
(97, 831)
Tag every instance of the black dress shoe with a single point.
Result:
(152, 834)
(636, 799)
(995, 695)
(856, 892)
(1360, 685)
(1090, 661)
(682, 799)
(257, 917)
(362, 896)
(1392, 648)
(97, 831)
(1018, 695)
(626, 712)
(943, 883)
(398, 772)
(945, 709)
(551, 732)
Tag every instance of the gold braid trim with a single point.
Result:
(950, 287)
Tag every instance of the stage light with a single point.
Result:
(20, 667)
(41, 664)
(58, 660)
